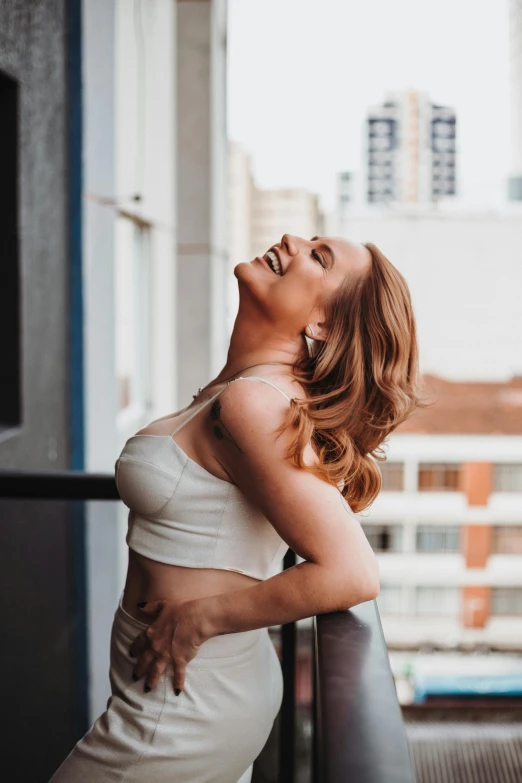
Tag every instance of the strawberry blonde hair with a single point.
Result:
(361, 383)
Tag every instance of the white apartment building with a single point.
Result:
(258, 218)
(447, 524)
(463, 270)
(283, 211)
(515, 49)
(411, 150)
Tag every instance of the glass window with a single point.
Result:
(10, 382)
(438, 538)
(439, 477)
(384, 538)
(389, 600)
(132, 314)
(507, 540)
(392, 476)
(507, 477)
(506, 600)
(437, 600)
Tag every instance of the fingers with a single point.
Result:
(151, 607)
(153, 668)
(139, 645)
(156, 669)
(180, 669)
(142, 666)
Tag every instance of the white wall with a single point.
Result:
(465, 275)
(240, 190)
(202, 194)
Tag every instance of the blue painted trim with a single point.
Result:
(493, 684)
(78, 606)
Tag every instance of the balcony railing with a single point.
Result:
(358, 730)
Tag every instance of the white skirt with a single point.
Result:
(211, 733)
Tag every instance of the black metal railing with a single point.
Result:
(358, 730)
(359, 733)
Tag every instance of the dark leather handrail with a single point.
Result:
(359, 731)
(57, 485)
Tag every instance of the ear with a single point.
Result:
(316, 328)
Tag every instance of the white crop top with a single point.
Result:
(183, 515)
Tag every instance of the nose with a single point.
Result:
(290, 243)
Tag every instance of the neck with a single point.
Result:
(255, 343)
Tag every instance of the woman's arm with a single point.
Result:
(340, 568)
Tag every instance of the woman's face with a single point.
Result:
(292, 282)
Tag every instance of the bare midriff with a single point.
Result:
(150, 580)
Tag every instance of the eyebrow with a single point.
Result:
(327, 248)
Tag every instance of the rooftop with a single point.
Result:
(468, 408)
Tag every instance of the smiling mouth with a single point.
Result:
(273, 262)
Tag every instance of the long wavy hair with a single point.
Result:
(361, 383)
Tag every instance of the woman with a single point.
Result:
(277, 451)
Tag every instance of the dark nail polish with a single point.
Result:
(141, 604)
(135, 677)
(147, 689)
(177, 691)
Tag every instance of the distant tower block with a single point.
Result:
(345, 192)
(515, 46)
(411, 148)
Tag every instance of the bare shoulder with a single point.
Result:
(252, 411)
(251, 446)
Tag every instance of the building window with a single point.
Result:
(389, 600)
(507, 540)
(437, 601)
(438, 538)
(384, 538)
(10, 380)
(506, 600)
(439, 477)
(132, 315)
(392, 476)
(507, 477)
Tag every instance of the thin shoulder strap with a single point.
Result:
(196, 411)
(214, 396)
(263, 380)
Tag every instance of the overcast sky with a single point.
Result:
(302, 72)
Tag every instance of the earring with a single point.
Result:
(312, 330)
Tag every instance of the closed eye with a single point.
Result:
(317, 257)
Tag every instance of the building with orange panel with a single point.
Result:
(447, 524)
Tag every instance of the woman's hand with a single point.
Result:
(173, 636)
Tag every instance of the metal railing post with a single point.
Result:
(287, 732)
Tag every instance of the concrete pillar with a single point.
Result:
(201, 193)
(411, 475)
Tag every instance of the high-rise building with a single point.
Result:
(515, 28)
(411, 150)
(258, 218)
(283, 211)
(447, 524)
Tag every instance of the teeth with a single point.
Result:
(274, 262)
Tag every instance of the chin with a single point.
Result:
(239, 269)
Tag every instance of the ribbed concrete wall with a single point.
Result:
(36, 574)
